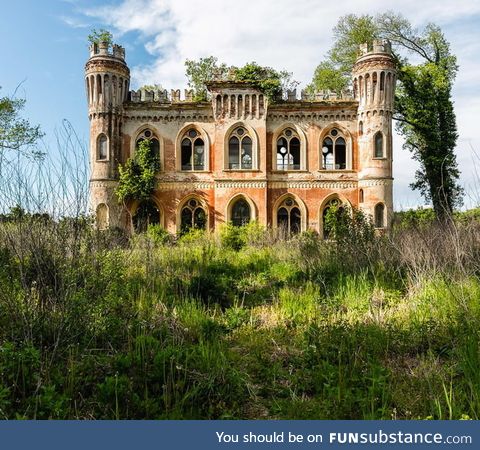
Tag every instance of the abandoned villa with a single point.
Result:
(240, 157)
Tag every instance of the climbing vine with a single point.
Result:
(137, 176)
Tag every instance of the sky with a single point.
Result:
(43, 50)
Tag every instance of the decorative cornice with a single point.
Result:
(229, 184)
(312, 184)
(184, 185)
(375, 182)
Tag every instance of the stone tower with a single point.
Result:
(374, 80)
(107, 79)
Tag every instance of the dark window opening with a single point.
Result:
(146, 214)
(192, 216)
(240, 213)
(288, 151)
(379, 145)
(379, 215)
(289, 218)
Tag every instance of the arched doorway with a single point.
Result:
(146, 214)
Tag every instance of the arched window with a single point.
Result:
(360, 128)
(102, 147)
(146, 214)
(288, 150)
(192, 216)
(360, 196)
(289, 217)
(102, 216)
(334, 151)
(240, 155)
(378, 140)
(192, 151)
(240, 213)
(148, 135)
(379, 215)
(333, 213)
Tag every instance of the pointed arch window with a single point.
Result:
(378, 143)
(149, 135)
(192, 216)
(102, 148)
(102, 216)
(332, 214)
(241, 213)
(334, 151)
(379, 215)
(289, 217)
(288, 150)
(146, 214)
(192, 151)
(240, 150)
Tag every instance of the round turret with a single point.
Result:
(107, 79)
(374, 78)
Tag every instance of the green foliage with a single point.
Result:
(328, 77)
(102, 35)
(158, 235)
(138, 176)
(15, 132)
(371, 328)
(427, 121)
(424, 108)
(201, 72)
(349, 33)
(270, 81)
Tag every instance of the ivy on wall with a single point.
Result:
(137, 175)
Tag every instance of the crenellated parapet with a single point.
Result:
(161, 96)
(318, 96)
(374, 77)
(107, 77)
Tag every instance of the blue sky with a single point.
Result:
(43, 47)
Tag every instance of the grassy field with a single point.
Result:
(239, 325)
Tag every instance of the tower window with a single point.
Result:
(378, 142)
(334, 151)
(379, 214)
(240, 156)
(102, 216)
(288, 151)
(102, 147)
(192, 151)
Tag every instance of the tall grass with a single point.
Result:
(93, 326)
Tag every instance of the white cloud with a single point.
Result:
(293, 36)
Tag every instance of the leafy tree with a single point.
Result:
(102, 35)
(349, 33)
(423, 109)
(268, 80)
(137, 176)
(15, 132)
(201, 72)
(328, 77)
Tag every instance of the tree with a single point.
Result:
(327, 77)
(102, 35)
(268, 80)
(202, 71)
(15, 132)
(423, 106)
(138, 175)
